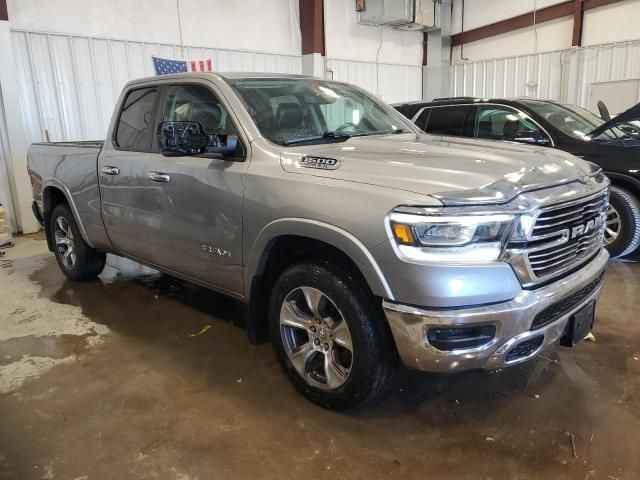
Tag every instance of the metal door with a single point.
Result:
(122, 173)
(195, 222)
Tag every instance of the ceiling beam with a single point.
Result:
(578, 21)
(562, 9)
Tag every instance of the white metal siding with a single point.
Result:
(69, 84)
(5, 186)
(564, 75)
(391, 82)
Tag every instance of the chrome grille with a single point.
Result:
(562, 216)
(564, 236)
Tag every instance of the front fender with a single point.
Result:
(324, 232)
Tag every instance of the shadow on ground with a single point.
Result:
(176, 389)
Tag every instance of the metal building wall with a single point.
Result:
(538, 76)
(5, 186)
(391, 82)
(564, 75)
(600, 63)
(69, 84)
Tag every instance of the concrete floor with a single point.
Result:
(140, 376)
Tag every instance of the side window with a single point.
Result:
(421, 121)
(501, 123)
(136, 120)
(449, 120)
(195, 103)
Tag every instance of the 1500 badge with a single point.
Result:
(320, 163)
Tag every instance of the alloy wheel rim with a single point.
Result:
(613, 226)
(316, 338)
(65, 246)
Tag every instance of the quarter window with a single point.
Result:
(136, 120)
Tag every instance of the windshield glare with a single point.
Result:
(570, 119)
(294, 111)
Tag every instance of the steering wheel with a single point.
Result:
(344, 126)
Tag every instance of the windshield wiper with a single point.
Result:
(325, 136)
(337, 136)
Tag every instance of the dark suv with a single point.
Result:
(614, 145)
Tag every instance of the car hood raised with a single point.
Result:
(633, 114)
(456, 171)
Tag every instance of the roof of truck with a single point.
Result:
(221, 75)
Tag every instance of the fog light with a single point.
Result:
(458, 338)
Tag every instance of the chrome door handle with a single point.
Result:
(159, 177)
(109, 170)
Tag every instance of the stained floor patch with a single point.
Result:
(144, 390)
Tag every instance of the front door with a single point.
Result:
(195, 225)
(122, 173)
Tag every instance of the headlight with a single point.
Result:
(450, 238)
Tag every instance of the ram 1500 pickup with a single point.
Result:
(357, 240)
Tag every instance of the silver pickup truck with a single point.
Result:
(356, 239)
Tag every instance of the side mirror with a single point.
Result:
(189, 138)
(181, 138)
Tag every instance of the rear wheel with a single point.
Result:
(77, 260)
(622, 229)
(330, 339)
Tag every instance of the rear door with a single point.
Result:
(196, 202)
(122, 173)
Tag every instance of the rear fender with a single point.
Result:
(46, 210)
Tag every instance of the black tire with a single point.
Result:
(627, 207)
(374, 358)
(88, 262)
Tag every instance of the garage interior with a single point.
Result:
(141, 375)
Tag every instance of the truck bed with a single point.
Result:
(71, 168)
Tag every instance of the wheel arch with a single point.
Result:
(53, 194)
(285, 241)
(625, 181)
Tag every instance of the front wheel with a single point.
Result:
(76, 259)
(330, 339)
(622, 229)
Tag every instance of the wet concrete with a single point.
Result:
(154, 378)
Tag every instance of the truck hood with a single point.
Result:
(456, 171)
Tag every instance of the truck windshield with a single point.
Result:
(305, 111)
(570, 119)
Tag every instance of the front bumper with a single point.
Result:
(512, 319)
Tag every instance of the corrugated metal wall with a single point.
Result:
(601, 63)
(564, 75)
(531, 75)
(69, 84)
(392, 83)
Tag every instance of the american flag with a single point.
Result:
(164, 66)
